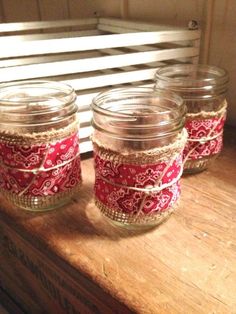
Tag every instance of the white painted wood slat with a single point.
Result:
(111, 79)
(91, 55)
(119, 29)
(48, 58)
(134, 25)
(92, 64)
(30, 37)
(25, 26)
(92, 42)
(84, 99)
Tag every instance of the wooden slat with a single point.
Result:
(85, 116)
(84, 101)
(48, 58)
(115, 29)
(85, 146)
(111, 79)
(85, 97)
(136, 25)
(25, 26)
(85, 132)
(89, 61)
(120, 30)
(30, 37)
(92, 64)
(115, 51)
(118, 70)
(93, 42)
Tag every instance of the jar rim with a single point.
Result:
(53, 85)
(165, 73)
(46, 100)
(113, 108)
(148, 91)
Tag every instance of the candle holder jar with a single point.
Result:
(203, 89)
(39, 149)
(138, 141)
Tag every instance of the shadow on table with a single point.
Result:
(80, 218)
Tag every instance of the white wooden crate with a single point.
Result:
(92, 55)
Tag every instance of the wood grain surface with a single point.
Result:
(186, 265)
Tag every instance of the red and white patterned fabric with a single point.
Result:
(121, 186)
(40, 169)
(205, 137)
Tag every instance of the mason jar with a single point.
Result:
(203, 89)
(39, 148)
(138, 140)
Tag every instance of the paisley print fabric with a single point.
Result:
(41, 169)
(131, 188)
(205, 137)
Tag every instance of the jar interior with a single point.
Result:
(36, 106)
(190, 75)
(206, 105)
(202, 87)
(137, 121)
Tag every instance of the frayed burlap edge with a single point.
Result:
(13, 137)
(41, 203)
(221, 112)
(124, 218)
(159, 154)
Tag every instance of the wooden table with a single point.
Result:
(186, 265)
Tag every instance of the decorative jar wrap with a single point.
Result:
(37, 172)
(141, 187)
(138, 142)
(205, 135)
(203, 88)
(39, 144)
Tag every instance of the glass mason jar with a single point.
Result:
(138, 141)
(39, 149)
(203, 88)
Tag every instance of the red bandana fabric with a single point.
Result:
(40, 169)
(205, 137)
(123, 187)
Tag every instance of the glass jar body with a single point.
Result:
(138, 141)
(40, 162)
(203, 89)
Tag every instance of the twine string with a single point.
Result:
(160, 154)
(34, 176)
(157, 187)
(148, 190)
(161, 187)
(41, 168)
(205, 139)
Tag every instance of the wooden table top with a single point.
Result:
(186, 265)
